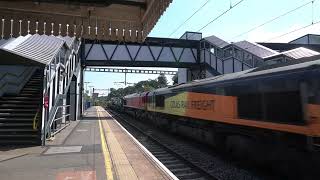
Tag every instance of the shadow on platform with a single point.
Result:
(4, 148)
(95, 118)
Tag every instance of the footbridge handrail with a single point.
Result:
(69, 65)
(54, 119)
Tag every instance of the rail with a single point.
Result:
(35, 120)
(52, 127)
(66, 62)
(167, 154)
(55, 63)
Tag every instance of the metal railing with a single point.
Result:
(53, 124)
(35, 122)
(57, 123)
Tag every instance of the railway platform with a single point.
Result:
(96, 147)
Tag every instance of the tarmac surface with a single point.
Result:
(95, 147)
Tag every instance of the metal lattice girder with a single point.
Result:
(154, 52)
(123, 20)
(134, 71)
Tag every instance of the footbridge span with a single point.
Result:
(46, 46)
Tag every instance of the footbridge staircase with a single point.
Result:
(38, 75)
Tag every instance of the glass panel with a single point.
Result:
(228, 66)
(238, 53)
(219, 63)
(237, 66)
(228, 52)
(257, 61)
(245, 67)
(213, 61)
(219, 53)
(247, 58)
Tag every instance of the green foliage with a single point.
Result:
(175, 79)
(101, 101)
(139, 87)
(162, 80)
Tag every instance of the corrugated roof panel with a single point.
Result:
(4, 42)
(217, 41)
(296, 53)
(255, 49)
(300, 52)
(253, 72)
(69, 40)
(40, 48)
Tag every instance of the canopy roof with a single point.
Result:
(33, 49)
(129, 20)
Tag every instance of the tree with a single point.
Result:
(175, 79)
(162, 81)
(139, 87)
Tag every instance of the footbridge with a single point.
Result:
(46, 46)
(42, 51)
(153, 52)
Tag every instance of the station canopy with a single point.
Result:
(127, 20)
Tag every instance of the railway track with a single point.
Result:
(183, 160)
(177, 164)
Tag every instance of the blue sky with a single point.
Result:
(246, 15)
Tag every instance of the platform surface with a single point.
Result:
(93, 148)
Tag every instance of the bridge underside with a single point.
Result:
(154, 52)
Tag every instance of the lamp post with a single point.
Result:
(92, 98)
(86, 83)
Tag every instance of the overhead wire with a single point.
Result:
(312, 13)
(220, 15)
(201, 7)
(271, 20)
(284, 34)
(295, 30)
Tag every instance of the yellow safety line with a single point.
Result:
(106, 154)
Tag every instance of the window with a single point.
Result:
(212, 50)
(159, 101)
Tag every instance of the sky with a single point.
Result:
(241, 18)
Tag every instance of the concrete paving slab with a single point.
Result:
(72, 153)
(75, 175)
(77, 153)
(63, 149)
(61, 137)
(11, 156)
(9, 153)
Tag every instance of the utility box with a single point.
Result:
(87, 105)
